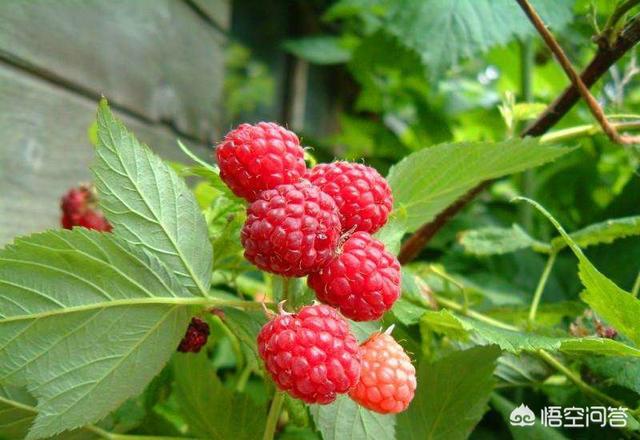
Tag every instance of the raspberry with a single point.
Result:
(195, 337)
(253, 158)
(387, 378)
(362, 281)
(291, 230)
(79, 209)
(363, 196)
(312, 354)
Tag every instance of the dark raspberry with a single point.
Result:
(363, 196)
(291, 230)
(79, 208)
(253, 158)
(387, 378)
(196, 336)
(362, 281)
(312, 354)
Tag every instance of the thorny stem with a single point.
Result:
(274, 415)
(475, 315)
(540, 287)
(566, 65)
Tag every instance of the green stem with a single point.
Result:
(285, 289)
(540, 288)
(576, 379)
(585, 130)
(244, 378)
(636, 287)
(274, 415)
(475, 315)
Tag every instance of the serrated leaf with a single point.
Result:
(17, 413)
(148, 204)
(496, 241)
(443, 32)
(462, 328)
(245, 325)
(319, 49)
(617, 307)
(210, 409)
(623, 371)
(451, 397)
(345, 420)
(86, 321)
(426, 182)
(391, 234)
(602, 233)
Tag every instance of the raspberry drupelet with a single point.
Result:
(312, 354)
(363, 196)
(362, 280)
(291, 230)
(387, 378)
(254, 158)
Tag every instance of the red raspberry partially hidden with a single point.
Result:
(253, 158)
(312, 354)
(363, 196)
(79, 209)
(196, 336)
(362, 281)
(291, 230)
(387, 378)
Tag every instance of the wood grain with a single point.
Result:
(45, 149)
(156, 58)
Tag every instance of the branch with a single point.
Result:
(605, 57)
(566, 65)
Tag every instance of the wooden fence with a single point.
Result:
(159, 62)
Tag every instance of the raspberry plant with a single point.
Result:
(161, 311)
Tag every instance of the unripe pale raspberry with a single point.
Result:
(363, 196)
(312, 355)
(253, 158)
(362, 280)
(387, 377)
(291, 230)
(195, 337)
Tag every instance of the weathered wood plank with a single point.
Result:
(219, 11)
(45, 149)
(157, 58)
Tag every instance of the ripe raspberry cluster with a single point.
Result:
(318, 223)
(79, 208)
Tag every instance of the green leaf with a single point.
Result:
(245, 325)
(407, 312)
(444, 31)
(345, 420)
(617, 307)
(18, 411)
(148, 204)
(426, 182)
(495, 241)
(452, 396)
(210, 409)
(623, 371)
(602, 233)
(535, 432)
(86, 321)
(391, 234)
(462, 328)
(320, 49)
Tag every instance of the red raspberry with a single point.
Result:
(362, 281)
(196, 336)
(312, 354)
(363, 196)
(79, 209)
(387, 378)
(253, 158)
(291, 230)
